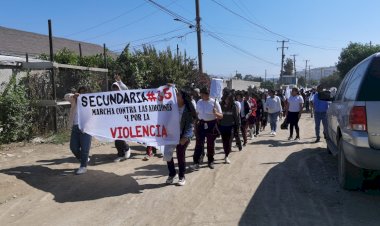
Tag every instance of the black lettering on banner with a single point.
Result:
(92, 101)
(84, 101)
(99, 101)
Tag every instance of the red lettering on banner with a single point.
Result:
(151, 129)
(119, 128)
(145, 131)
(125, 132)
(113, 132)
(138, 131)
(158, 131)
(164, 133)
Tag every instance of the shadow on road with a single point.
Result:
(279, 143)
(66, 187)
(303, 190)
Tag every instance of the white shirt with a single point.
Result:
(294, 103)
(238, 106)
(205, 109)
(273, 104)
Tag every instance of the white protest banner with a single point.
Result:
(148, 116)
(216, 90)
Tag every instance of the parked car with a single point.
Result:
(354, 123)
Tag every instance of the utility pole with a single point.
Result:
(199, 38)
(309, 75)
(306, 68)
(294, 67)
(265, 79)
(177, 50)
(282, 57)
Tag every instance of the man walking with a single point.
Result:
(320, 109)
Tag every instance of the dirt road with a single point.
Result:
(271, 182)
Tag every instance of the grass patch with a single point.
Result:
(61, 137)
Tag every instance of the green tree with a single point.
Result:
(288, 66)
(333, 80)
(239, 76)
(353, 54)
(267, 85)
(302, 81)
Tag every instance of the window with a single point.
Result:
(369, 90)
(355, 81)
(343, 85)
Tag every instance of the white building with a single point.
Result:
(317, 73)
(238, 84)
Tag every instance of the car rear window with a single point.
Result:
(370, 88)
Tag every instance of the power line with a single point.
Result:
(106, 21)
(231, 45)
(171, 13)
(152, 36)
(267, 29)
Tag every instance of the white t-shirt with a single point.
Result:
(294, 103)
(273, 104)
(238, 106)
(205, 109)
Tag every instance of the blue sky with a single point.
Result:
(328, 26)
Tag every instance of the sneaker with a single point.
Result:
(171, 180)
(146, 157)
(181, 181)
(81, 170)
(240, 148)
(88, 159)
(120, 159)
(227, 160)
(297, 138)
(128, 154)
(274, 133)
(317, 140)
(271, 132)
(195, 167)
(290, 138)
(211, 165)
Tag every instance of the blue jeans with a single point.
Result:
(273, 120)
(318, 117)
(80, 144)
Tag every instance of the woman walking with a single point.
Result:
(187, 115)
(294, 110)
(80, 142)
(274, 108)
(228, 124)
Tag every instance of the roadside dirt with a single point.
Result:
(271, 182)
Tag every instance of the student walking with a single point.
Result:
(264, 118)
(187, 115)
(228, 124)
(208, 111)
(244, 113)
(274, 108)
(320, 109)
(80, 142)
(294, 110)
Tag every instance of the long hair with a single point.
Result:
(231, 99)
(188, 104)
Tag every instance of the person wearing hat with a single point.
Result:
(208, 111)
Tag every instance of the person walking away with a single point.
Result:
(294, 110)
(187, 115)
(274, 108)
(252, 115)
(311, 103)
(259, 114)
(80, 142)
(264, 118)
(236, 130)
(320, 109)
(208, 111)
(123, 150)
(244, 113)
(228, 124)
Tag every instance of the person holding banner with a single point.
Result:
(187, 115)
(228, 124)
(80, 142)
(208, 111)
(123, 151)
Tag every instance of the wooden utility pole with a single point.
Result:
(105, 64)
(199, 38)
(80, 51)
(282, 57)
(52, 75)
(306, 68)
(294, 67)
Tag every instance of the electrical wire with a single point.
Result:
(269, 30)
(106, 21)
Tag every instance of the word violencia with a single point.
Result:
(139, 131)
(132, 109)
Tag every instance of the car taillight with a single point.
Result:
(358, 119)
